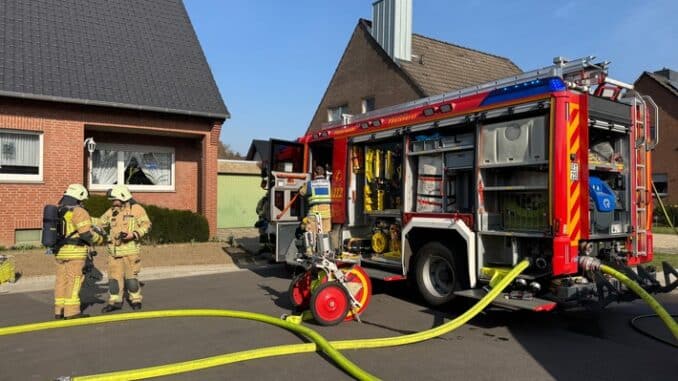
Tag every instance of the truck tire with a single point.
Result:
(436, 274)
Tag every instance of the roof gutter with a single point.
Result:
(124, 106)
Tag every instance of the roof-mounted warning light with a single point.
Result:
(525, 89)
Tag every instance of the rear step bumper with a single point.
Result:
(505, 300)
(383, 274)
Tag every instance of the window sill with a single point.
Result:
(21, 181)
(135, 189)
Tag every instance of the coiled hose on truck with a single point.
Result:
(331, 349)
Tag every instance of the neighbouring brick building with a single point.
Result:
(385, 64)
(662, 86)
(129, 76)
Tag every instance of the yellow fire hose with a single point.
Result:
(652, 302)
(138, 374)
(590, 263)
(330, 348)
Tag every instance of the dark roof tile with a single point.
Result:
(438, 66)
(142, 54)
(664, 81)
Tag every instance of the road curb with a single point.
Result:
(41, 283)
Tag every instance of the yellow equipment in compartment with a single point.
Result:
(369, 178)
(377, 164)
(382, 240)
(380, 170)
(369, 165)
(380, 199)
(6, 269)
(379, 242)
(368, 198)
(388, 165)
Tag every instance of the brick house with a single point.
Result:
(128, 76)
(385, 64)
(662, 86)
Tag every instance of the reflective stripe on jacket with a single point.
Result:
(130, 218)
(76, 222)
(320, 192)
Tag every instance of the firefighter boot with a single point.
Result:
(112, 307)
(136, 306)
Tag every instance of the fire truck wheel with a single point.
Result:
(436, 274)
(329, 303)
(300, 290)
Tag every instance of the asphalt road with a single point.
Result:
(498, 345)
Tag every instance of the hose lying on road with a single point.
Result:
(669, 321)
(330, 348)
(635, 326)
(590, 263)
(138, 374)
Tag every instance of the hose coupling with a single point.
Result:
(588, 263)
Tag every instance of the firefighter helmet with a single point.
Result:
(119, 192)
(77, 191)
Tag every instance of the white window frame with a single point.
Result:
(120, 148)
(19, 178)
(363, 104)
(331, 111)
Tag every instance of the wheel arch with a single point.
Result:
(453, 233)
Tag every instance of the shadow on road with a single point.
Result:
(90, 291)
(281, 299)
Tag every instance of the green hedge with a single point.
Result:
(97, 205)
(169, 225)
(660, 218)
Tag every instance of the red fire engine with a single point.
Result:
(451, 191)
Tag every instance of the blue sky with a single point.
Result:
(272, 60)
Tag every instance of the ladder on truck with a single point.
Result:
(644, 140)
(581, 73)
(639, 180)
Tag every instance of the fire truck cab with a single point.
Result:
(453, 190)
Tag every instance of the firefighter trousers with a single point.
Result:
(122, 274)
(325, 223)
(67, 286)
(325, 212)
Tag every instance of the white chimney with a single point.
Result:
(392, 27)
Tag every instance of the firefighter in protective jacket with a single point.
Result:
(76, 237)
(317, 192)
(128, 223)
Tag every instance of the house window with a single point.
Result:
(141, 168)
(335, 113)
(661, 182)
(367, 104)
(20, 156)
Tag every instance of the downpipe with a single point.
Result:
(594, 264)
(330, 348)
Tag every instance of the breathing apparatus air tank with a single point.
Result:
(377, 163)
(355, 159)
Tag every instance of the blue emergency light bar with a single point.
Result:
(525, 89)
